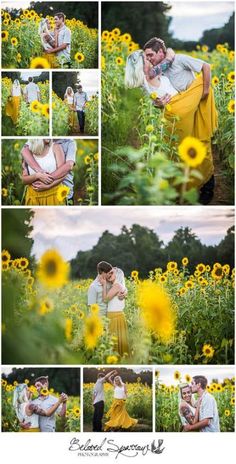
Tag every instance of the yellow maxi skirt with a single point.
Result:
(30, 430)
(197, 118)
(118, 327)
(47, 197)
(13, 108)
(119, 418)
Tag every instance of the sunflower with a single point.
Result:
(76, 411)
(231, 76)
(94, 308)
(87, 160)
(192, 151)
(18, 57)
(171, 266)
(201, 268)
(93, 330)
(188, 378)
(119, 61)
(5, 256)
(231, 106)
(112, 359)
(217, 273)
(208, 351)
(5, 35)
(134, 274)
(96, 157)
(23, 263)
(14, 41)
(227, 413)
(4, 192)
(52, 270)
(157, 310)
(232, 401)
(177, 375)
(162, 279)
(79, 57)
(80, 314)
(44, 392)
(189, 284)
(35, 106)
(116, 32)
(149, 128)
(62, 193)
(105, 35)
(68, 329)
(185, 261)
(215, 81)
(205, 48)
(46, 306)
(126, 38)
(40, 63)
(45, 110)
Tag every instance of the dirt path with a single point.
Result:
(224, 190)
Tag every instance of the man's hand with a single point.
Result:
(170, 54)
(161, 102)
(122, 294)
(205, 93)
(102, 280)
(25, 425)
(45, 177)
(187, 428)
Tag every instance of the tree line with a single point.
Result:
(127, 375)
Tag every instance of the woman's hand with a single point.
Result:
(170, 54)
(44, 177)
(102, 280)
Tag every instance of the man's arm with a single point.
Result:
(57, 49)
(40, 186)
(198, 426)
(63, 170)
(206, 73)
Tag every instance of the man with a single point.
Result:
(180, 70)
(62, 174)
(98, 400)
(95, 289)
(62, 36)
(32, 91)
(208, 412)
(80, 100)
(45, 401)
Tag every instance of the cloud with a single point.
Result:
(74, 229)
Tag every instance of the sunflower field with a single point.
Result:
(22, 48)
(142, 160)
(138, 404)
(167, 404)
(85, 173)
(10, 423)
(173, 317)
(65, 121)
(33, 119)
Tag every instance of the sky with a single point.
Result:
(73, 229)
(210, 372)
(191, 18)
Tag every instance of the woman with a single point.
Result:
(117, 414)
(49, 40)
(49, 157)
(69, 100)
(181, 112)
(188, 410)
(115, 311)
(28, 413)
(13, 103)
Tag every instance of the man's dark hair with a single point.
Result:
(155, 44)
(60, 16)
(200, 379)
(103, 266)
(101, 375)
(30, 79)
(79, 86)
(43, 379)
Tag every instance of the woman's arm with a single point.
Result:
(59, 154)
(111, 380)
(108, 295)
(29, 179)
(125, 389)
(186, 412)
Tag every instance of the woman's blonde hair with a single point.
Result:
(66, 92)
(36, 146)
(134, 73)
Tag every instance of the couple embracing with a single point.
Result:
(108, 291)
(118, 416)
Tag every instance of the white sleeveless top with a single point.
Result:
(115, 305)
(165, 87)
(16, 91)
(119, 393)
(69, 100)
(34, 419)
(47, 162)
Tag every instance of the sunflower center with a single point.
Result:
(218, 272)
(51, 267)
(192, 152)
